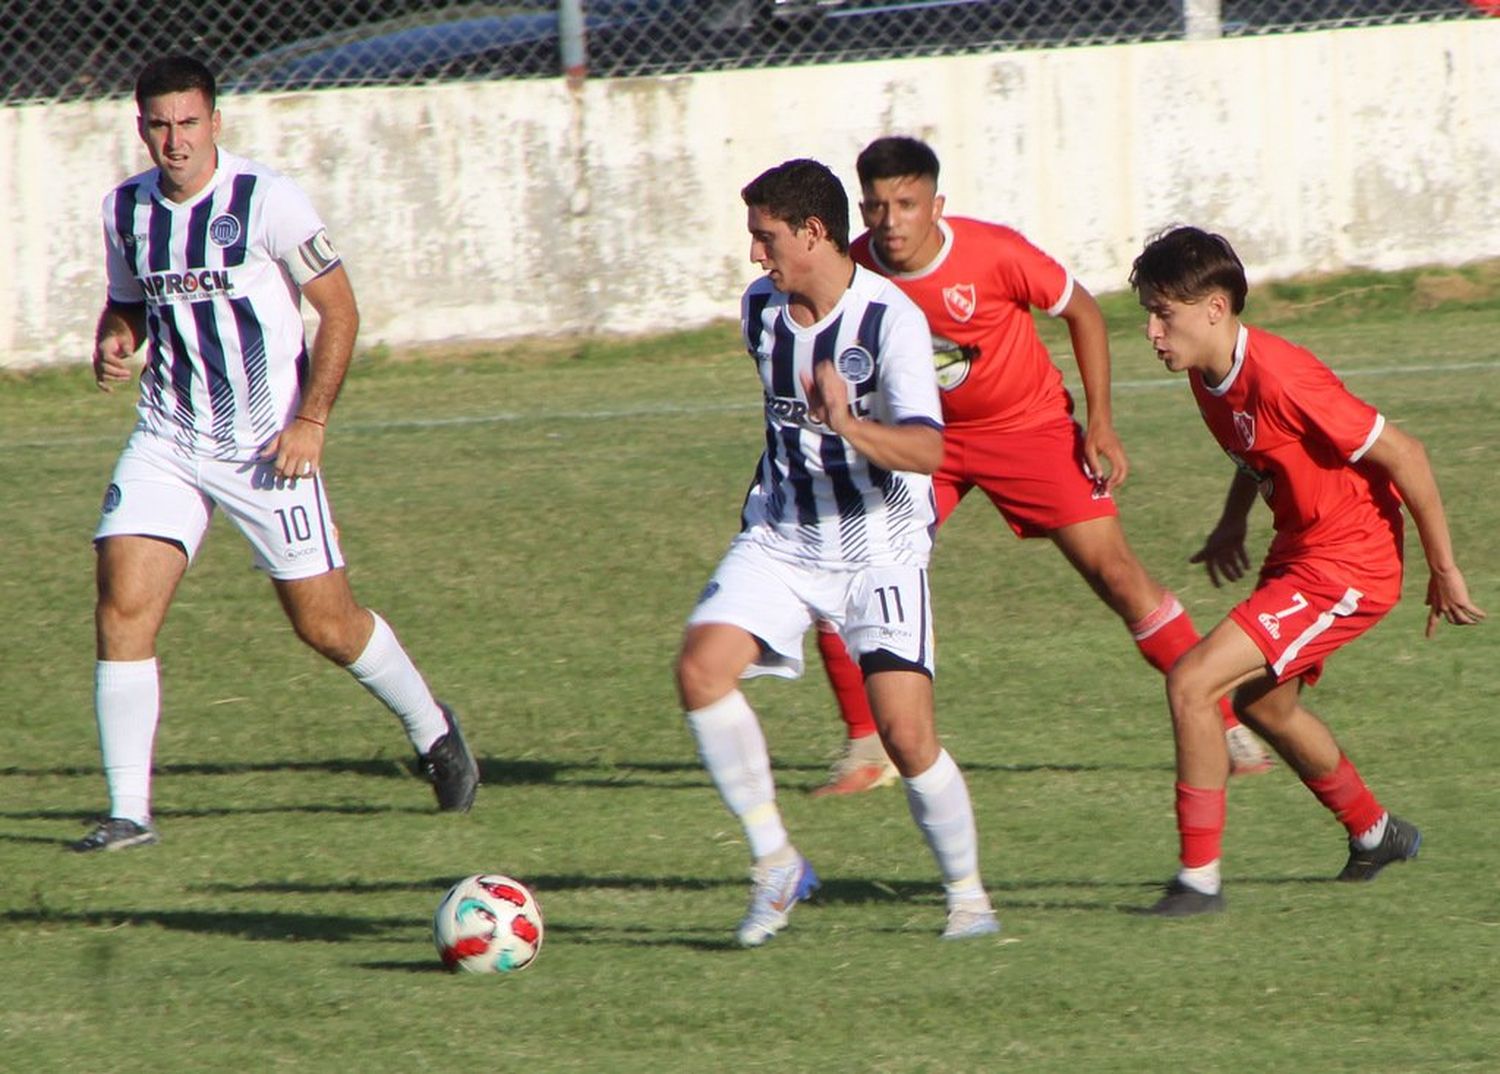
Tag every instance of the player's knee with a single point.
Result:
(1187, 689)
(699, 682)
(336, 637)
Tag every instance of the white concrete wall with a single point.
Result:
(505, 209)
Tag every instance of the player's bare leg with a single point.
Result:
(1376, 838)
(733, 750)
(325, 615)
(936, 794)
(136, 578)
(1161, 628)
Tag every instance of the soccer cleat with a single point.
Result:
(775, 889)
(1246, 755)
(1400, 843)
(1183, 901)
(115, 833)
(863, 766)
(970, 919)
(451, 768)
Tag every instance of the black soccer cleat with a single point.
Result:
(1400, 843)
(115, 833)
(1183, 901)
(451, 768)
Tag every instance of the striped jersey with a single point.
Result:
(226, 349)
(814, 498)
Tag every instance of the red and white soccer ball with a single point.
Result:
(488, 924)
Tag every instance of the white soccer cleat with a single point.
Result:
(968, 920)
(775, 889)
(1246, 755)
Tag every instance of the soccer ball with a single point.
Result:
(488, 924)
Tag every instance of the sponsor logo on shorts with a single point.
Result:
(293, 554)
(1270, 624)
(855, 364)
(224, 230)
(708, 591)
(960, 300)
(112, 498)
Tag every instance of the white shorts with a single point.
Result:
(873, 608)
(157, 491)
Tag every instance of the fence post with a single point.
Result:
(572, 40)
(1202, 19)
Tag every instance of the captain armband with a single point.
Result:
(312, 258)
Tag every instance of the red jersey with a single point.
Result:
(1284, 417)
(993, 368)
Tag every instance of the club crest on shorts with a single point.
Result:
(224, 229)
(1244, 427)
(961, 300)
(112, 498)
(855, 364)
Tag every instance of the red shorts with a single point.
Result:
(1299, 617)
(1036, 477)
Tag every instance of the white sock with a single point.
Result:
(386, 671)
(1370, 838)
(127, 704)
(1204, 878)
(939, 803)
(733, 749)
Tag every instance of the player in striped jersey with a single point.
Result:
(1009, 426)
(1335, 474)
(836, 526)
(208, 257)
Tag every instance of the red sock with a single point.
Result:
(848, 685)
(1164, 635)
(1347, 797)
(1200, 824)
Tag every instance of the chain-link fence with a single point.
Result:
(58, 50)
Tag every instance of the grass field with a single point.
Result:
(536, 521)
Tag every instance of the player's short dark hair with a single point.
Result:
(174, 74)
(797, 191)
(896, 157)
(1185, 263)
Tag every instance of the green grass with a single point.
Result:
(536, 521)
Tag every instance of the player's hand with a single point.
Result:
(1224, 554)
(297, 450)
(827, 396)
(1448, 598)
(1105, 455)
(111, 353)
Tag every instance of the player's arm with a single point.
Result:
(122, 328)
(1090, 336)
(1223, 552)
(912, 446)
(1403, 457)
(298, 450)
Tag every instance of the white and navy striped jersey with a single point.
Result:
(227, 353)
(814, 498)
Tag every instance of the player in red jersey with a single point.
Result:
(1335, 475)
(1008, 420)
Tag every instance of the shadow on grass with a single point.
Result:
(499, 772)
(243, 924)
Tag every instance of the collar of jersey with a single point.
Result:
(1241, 341)
(828, 318)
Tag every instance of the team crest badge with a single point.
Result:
(1244, 425)
(961, 301)
(224, 230)
(112, 497)
(855, 364)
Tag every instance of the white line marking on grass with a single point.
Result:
(656, 410)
